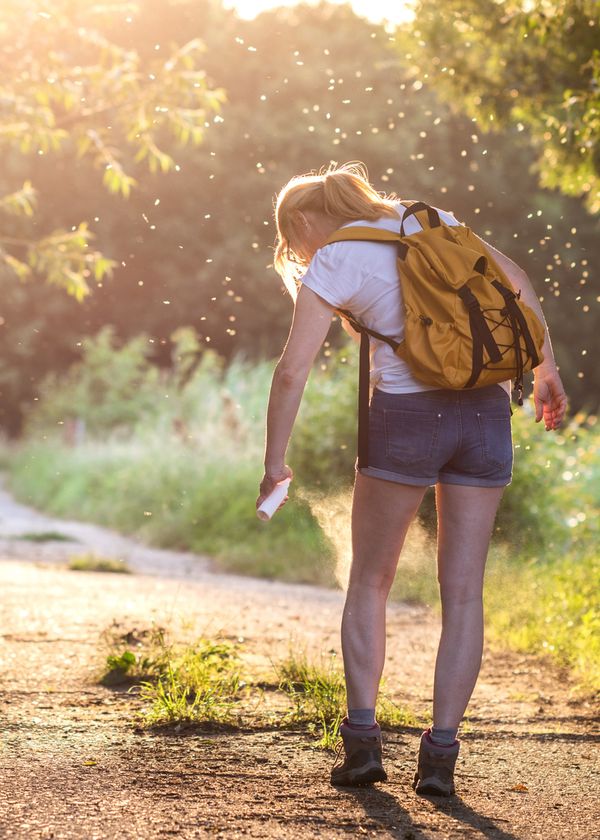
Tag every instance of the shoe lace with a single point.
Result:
(339, 752)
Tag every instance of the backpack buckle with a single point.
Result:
(467, 297)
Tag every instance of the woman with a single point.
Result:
(459, 441)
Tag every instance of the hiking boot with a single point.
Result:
(362, 763)
(435, 770)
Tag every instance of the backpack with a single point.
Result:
(465, 327)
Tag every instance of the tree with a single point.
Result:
(194, 245)
(68, 89)
(535, 65)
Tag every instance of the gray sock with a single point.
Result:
(443, 737)
(361, 717)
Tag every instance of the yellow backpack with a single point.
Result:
(465, 327)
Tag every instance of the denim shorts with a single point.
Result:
(451, 437)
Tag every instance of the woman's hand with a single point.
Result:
(549, 397)
(270, 480)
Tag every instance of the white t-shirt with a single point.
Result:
(362, 276)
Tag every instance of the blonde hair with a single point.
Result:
(341, 192)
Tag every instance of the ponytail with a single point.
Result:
(342, 193)
(347, 194)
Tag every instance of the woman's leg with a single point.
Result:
(465, 521)
(381, 513)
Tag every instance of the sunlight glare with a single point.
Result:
(376, 11)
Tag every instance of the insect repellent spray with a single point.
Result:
(273, 500)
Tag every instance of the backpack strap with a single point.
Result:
(372, 234)
(520, 328)
(363, 381)
(482, 336)
(412, 208)
(362, 232)
(360, 328)
(375, 234)
(364, 390)
(511, 305)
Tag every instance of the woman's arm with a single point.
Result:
(549, 395)
(310, 325)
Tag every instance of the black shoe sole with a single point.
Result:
(430, 789)
(356, 778)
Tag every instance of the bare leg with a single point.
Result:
(465, 521)
(381, 514)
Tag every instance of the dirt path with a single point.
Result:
(72, 766)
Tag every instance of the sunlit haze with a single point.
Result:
(375, 10)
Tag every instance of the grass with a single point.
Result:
(203, 682)
(179, 683)
(133, 656)
(45, 536)
(391, 715)
(318, 696)
(172, 497)
(91, 562)
(550, 609)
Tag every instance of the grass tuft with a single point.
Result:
(133, 656)
(197, 683)
(318, 697)
(91, 562)
(201, 682)
(392, 715)
(45, 536)
(317, 694)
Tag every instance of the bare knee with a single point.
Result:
(378, 579)
(461, 592)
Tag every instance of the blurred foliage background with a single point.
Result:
(143, 144)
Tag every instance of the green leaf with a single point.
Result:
(21, 269)
(21, 202)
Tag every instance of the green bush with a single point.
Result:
(323, 446)
(549, 607)
(550, 505)
(111, 387)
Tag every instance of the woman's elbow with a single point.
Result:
(518, 278)
(289, 378)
